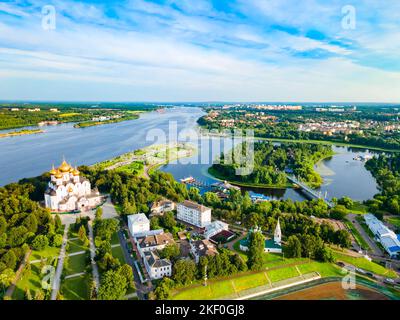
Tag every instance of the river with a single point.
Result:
(31, 155)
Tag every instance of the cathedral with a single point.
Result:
(68, 191)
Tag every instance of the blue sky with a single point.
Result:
(200, 50)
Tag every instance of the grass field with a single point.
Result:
(118, 253)
(366, 265)
(31, 281)
(226, 287)
(75, 288)
(281, 274)
(49, 252)
(75, 246)
(250, 281)
(76, 264)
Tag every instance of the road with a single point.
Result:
(374, 247)
(141, 289)
(60, 265)
(95, 270)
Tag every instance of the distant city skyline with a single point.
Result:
(200, 51)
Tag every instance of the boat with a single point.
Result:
(188, 180)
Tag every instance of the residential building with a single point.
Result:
(151, 242)
(138, 223)
(201, 248)
(156, 267)
(158, 208)
(194, 213)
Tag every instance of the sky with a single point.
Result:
(200, 50)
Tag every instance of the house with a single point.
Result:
(194, 213)
(271, 245)
(153, 241)
(201, 248)
(138, 223)
(156, 267)
(214, 228)
(158, 208)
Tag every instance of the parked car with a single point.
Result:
(389, 281)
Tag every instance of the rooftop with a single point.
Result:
(139, 218)
(195, 206)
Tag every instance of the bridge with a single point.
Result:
(313, 194)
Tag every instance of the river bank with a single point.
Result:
(20, 133)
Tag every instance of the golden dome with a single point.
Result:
(75, 172)
(58, 175)
(53, 171)
(65, 167)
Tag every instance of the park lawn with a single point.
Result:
(119, 254)
(135, 167)
(323, 268)
(364, 264)
(75, 246)
(115, 238)
(250, 281)
(32, 282)
(76, 288)
(282, 274)
(49, 252)
(76, 264)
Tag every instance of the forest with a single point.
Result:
(272, 162)
(386, 170)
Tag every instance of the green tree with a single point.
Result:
(6, 278)
(339, 212)
(9, 259)
(293, 247)
(184, 271)
(256, 250)
(57, 240)
(99, 213)
(170, 251)
(113, 286)
(126, 271)
(40, 242)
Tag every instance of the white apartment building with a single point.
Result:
(138, 223)
(194, 213)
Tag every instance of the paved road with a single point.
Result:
(374, 247)
(95, 270)
(141, 289)
(60, 265)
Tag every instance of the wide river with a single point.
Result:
(31, 155)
